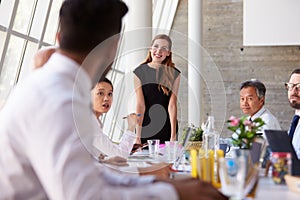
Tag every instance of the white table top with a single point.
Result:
(267, 189)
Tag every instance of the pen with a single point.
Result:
(136, 115)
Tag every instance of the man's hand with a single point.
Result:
(160, 170)
(116, 160)
(191, 189)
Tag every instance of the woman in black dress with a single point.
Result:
(156, 83)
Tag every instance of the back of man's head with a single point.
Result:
(86, 23)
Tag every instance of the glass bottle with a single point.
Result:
(210, 136)
(210, 147)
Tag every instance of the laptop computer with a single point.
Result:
(183, 148)
(279, 141)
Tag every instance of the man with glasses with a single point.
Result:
(293, 87)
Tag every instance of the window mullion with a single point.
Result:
(9, 31)
(45, 25)
(33, 11)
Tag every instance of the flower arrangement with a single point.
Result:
(195, 140)
(244, 130)
(196, 134)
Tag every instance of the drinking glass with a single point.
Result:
(171, 150)
(153, 146)
(232, 175)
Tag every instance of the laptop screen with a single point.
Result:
(184, 145)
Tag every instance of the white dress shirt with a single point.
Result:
(270, 120)
(296, 137)
(105, 146)
(45, 125)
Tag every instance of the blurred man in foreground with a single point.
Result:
(47, 120)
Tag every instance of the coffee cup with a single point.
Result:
(225, 148)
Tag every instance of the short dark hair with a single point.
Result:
(106, 80)
(259, 87)
(295, 71)
(86, 23)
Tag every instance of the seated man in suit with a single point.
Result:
(293, 87)
(252, 101)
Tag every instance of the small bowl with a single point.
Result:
(293, 182)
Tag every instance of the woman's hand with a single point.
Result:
(132, 121)
(173, 138)
(137, 140)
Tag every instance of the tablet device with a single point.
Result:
(183, 148)
(279, 141)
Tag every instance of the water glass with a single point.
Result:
(153, 146)
(171, 150)
(232, 173)
(206, 165)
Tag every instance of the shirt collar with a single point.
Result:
(82, 81)
(258, 113)
(297, 112)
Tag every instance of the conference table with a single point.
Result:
(266, 188)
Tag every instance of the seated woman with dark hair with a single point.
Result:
(102, 97)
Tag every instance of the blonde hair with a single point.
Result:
(165, 73)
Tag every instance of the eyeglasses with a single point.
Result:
(290, 86)
(155, 48)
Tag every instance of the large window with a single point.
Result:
(28, 25)
(25, 27)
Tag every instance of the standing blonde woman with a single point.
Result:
(156, 83)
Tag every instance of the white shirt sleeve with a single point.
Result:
(78, 177)
(67, 170)
(104, 145)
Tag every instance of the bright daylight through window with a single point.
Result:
(25, 26)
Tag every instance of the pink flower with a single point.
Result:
(232, 118)
(244, 130)
(234, 121)
(247, 123)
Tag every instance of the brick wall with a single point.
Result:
(223, 40)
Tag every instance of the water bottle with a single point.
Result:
(210, 136)
(210, 146)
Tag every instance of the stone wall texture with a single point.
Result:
(223, 40)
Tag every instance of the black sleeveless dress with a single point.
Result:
(156, 122)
